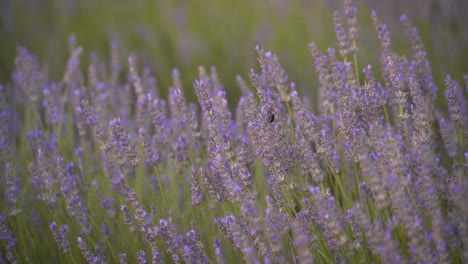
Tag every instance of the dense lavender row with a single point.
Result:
(98, 168)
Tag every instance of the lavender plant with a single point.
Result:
(378, 175)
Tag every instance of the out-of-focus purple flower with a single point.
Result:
(175, 257)
(26, 75)
(100, 253)
(243, 86)
(75, 204)
(373, 97)
(106, 232)
(301, 242)
(213, 180)
(44, 180)
(80, 120)
(395, 71)
(132, 197)
(52, 104)
(157, 257)
(422, 69)
(142, 107)
(122, 258)
(223, 225)
(79, 159)
(193, 247)
(135, 79)
(272, 74)
(342, 35)
(121, 146)
(226, 125)
(72, 75)
(325, 146)
(350, 12)
(447, 137)
(162, 128)
(170, 237)
(61, 237)
(12, 189)
(420, 111)
(86, 252)
(356, 230)
(92, 121)
(347, 114)
(453, 99)
(394, 174)
(331, 218)
(382, 243)
(128, 219)
(180, 147)
(218, 252)
(217, 119)
(151, 157)
(277, 227)
(7, 235)
(142, 257)
(196, 193)
(240, 235)
(367, 192)
(241, 120)
(240, 170)
(321, 61)
(106, 203)
(383, 34)
(304, 118)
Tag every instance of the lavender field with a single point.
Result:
(363, 162)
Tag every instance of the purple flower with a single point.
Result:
(383, 34)
(218, 252)
(151, 157)
(342, 34)
(170, 237)
(7, 234)
(453, 100)
(196, 193)
(142, 257)
(120, 144)
(26, 75)
(447, 138)
(61, 237)
(128, 219)
(122, 258)
(12, 189)
(350, 12)
(422, 68)
(157, 257)
(193, 248)
(75, 204)
(86, 252)
(105, 230)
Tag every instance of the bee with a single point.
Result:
(270, 116)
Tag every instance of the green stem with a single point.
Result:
(356, 179)
(461, 147)
(21, 238)
(356, 68)
(107, 241)
(160, 183)
(387, 118)
(73, 258)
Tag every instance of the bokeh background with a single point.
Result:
(184, 34)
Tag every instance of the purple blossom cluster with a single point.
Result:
(379, 174)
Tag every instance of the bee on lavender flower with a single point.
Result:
(270, 116)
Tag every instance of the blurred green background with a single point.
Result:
(184, 34)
